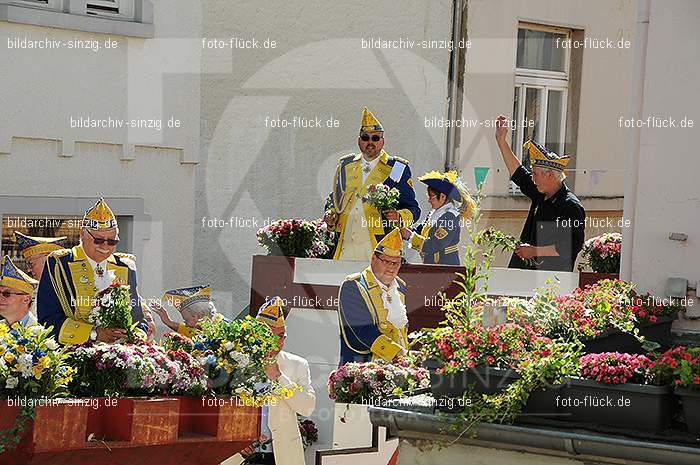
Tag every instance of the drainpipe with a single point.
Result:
(636, 112)
(453, 85)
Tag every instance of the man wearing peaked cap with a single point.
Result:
(36, 249)
(554, 231)
(71, 278)
(193, 303)
(372, 308)
(288, 370)
(437, 239)
(16, 290)
(359, 225)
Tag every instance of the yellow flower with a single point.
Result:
(2, 350)
(9, 357)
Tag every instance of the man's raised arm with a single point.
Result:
(511, 161)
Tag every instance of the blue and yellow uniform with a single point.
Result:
(349, 186)
(365, 330)
(67, 286)
(437, 239)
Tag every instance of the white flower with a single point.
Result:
(11, 383)
(35, 330)
(26, 365)
(51, 344)
(228, 345)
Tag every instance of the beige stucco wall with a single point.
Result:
(42, 156)
(318, 69)
(666, 197)
(488, 90)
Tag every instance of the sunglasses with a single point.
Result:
(7, 294)
(100, 241)
(366, 137)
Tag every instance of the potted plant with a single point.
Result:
(295, 238)
(681, 368)
(617, 389)
(602, 255)
(32, 365)
(356, 386)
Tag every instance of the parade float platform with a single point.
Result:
(134, 431)
(310, 289)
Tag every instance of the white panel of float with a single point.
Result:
(504, 281)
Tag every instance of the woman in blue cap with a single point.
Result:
(437, 239)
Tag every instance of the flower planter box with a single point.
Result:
(691, 408)
(481, 379)
(590, 277)
(137, 431)
(613, 340)
(351, 426)
(134, 419)
(632, 406)
(543, 403)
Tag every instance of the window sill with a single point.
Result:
(57, 19)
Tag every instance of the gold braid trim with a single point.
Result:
(58, 289)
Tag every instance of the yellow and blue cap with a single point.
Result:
(100, 216)
(11, 276)
(272, 313)
(391, 244)
(33, 245)
(369, 122)
(545, 158)
(183, 297)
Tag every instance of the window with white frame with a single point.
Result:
(50, 4)
(112, 9)
(116, 9)
(541, 85)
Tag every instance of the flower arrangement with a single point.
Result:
(235, 354)
(308, 432)
(294, 238)
(134, 369)
(602, 253)
(176, 342)
(679, 366)
(502, 346)
(615, 367)
(356, 383)
(32, 363)
(112, 309)
(382, 197)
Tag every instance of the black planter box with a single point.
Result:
(543, 402)
(614, 340)
(481, 379)
(691, 408)
(632, 406)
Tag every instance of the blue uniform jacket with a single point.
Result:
(365, 332)
(438, 243)
(67, 287)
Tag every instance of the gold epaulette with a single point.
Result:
(353, 277)
(60, 253)
(402, 160)
(349, 156)
(401, 281)
(128, 259)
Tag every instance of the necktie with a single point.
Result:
(99, 271)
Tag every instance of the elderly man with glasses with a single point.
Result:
(16, 290)
(372, 307)
(360, 226)
(71, 278)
